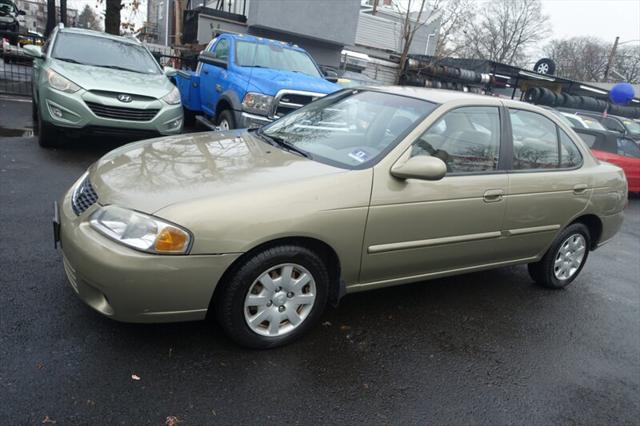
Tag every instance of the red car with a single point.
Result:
(616, 149)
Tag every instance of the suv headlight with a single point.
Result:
(173, 98)
(257, 103)
(58, 82)
(141, 231)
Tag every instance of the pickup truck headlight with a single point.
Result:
(173, 98)
(140, 231)
(61, 83)
(257, 103)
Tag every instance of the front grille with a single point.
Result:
(83, 197)
(121, 113)
(290, 101)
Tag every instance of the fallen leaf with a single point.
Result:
(172, 421)
(39, 365)
(345, 328)
(48, 420)
(135, 377)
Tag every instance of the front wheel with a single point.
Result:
(226, 120)
(274, 297)
(48, 135)
(564, 260)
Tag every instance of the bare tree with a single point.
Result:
(112, 16)
(504, 29)
(456, 16)
(585, 59)
(89, 19)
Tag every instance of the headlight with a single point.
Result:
(173, 98)
(140, 231)
(58, 82)
(257, 103)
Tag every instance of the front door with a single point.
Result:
(211, 78)
(416, 228)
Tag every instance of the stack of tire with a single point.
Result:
(543, 96)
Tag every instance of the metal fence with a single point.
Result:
(15, 76)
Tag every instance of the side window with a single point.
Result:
(628, 148)
(535, 141)
(569, 154)
(612, 124)
(588, 139)
(221, 51)
(208, 48)
(466, 139)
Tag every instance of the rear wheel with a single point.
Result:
(226, 120)
(564, 260)
(274, 297)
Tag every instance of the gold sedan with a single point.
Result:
(362, 189)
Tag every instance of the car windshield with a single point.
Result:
(104, 52)
(350, 129)
(272, 56)
(632, 126)
(593, 124)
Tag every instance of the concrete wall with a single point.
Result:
(330, 21)
(208, 26)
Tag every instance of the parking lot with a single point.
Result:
(482, 348)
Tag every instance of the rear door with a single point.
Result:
(547, 185)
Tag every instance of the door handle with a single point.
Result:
(493, 195)
(206, 72)
(218, 88)
(580, 188)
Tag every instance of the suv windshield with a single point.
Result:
(350, 129)
(104, 52)
(249, 54)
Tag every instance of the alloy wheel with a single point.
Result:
(569, 256)
(279, 300)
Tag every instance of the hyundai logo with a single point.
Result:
(124, 98)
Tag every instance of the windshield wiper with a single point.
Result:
(278, 141)
(116, 67)
(73, 61)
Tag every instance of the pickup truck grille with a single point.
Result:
(288, 101)
(120, 113)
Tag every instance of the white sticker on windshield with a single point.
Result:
(359, 155)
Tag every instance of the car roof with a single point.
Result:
(439, 96)
(93, 33)
(263, 40)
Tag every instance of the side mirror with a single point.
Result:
(33, 51)
(422, 167)
(170, 71)
(209, 58)
(22, 12)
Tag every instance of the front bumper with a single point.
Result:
(131, 286)
(244, 120)
(73, 113)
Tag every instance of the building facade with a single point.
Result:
(36, 15)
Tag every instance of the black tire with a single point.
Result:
(48, 135)
(545, 66)
(228, 116)
(543, 271)
(189, 117)
(229, 299)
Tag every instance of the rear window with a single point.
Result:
(628, 148)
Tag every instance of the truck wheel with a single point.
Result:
(225, 120)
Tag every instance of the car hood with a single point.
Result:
(270, 81)
(156, 173)
(110, 80)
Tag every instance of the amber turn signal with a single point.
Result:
(171, 240)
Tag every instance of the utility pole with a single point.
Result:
(610, 61)
(375, 7)
(63, 12)
(51, 17)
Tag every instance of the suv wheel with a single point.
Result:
(564, 260)
(274, 297)
(225, 120)
(48, 135)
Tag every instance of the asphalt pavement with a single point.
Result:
(483, 348)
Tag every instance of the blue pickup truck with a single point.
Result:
(243, 81)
